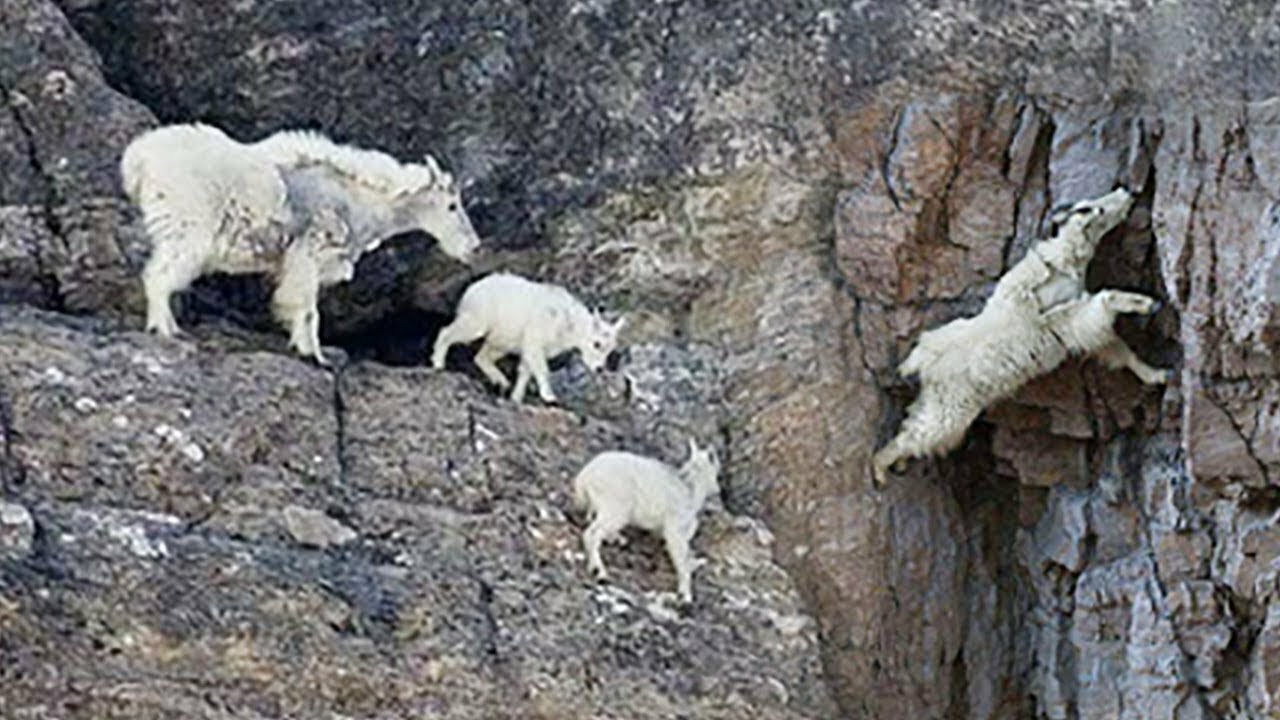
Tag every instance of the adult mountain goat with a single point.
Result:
(623, 489)
(212, 204)
(1038, 315)
(538, 320)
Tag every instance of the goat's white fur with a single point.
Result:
(213, 204)
(319, 257)
(621, 489)
(537, 320)
(1038, 315)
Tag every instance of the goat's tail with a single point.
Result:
(132, 170)
(579, 493)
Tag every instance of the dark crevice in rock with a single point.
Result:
(12, 474)
(490, 639)
(340, 423)
(826, 196)
(1246, 439)
(1037, 168)
(48, 281)
(885, 164)
(400, 338)
(1160, 605)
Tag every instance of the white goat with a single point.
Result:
(621, 489)
(322, 255)
(212, 204)
(1038, 315)
(537, 320)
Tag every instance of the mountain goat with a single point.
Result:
(319, 257)
(537, 320)
(212, 204)
(1038, 315)
(621, 489)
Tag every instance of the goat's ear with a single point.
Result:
(693, 448)
(618, 324)
(1057, 217)
(432, 165)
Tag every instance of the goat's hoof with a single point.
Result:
(168, 333)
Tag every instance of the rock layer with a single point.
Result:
(780, 196)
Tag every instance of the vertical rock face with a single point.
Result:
(781, 196)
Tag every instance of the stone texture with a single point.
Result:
(17, 530)
(405, 547)
(780, 196)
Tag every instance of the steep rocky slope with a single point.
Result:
(781, 195)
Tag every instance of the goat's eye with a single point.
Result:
(453, 206)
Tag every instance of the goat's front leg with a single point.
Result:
(535, 359)
(1116, 355)
(681, 558)
(311, 323)
(294, 303)
(1088, 327)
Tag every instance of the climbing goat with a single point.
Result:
(1038, 315)
(212, 204)
(622, 489)
(537, 320)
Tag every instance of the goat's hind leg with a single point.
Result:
(464, 329)
(487, 360)
(935, 423)
(603, 526)
(170, 269)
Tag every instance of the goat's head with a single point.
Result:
(703, 469)
(1091, 219)
(436, 209)
(597, 339)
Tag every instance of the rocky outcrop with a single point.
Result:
(781, 196)
(226, 533)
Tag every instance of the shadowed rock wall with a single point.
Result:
(781, 196)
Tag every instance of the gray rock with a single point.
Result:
(781, 196)
(17, 531)
(313, 528)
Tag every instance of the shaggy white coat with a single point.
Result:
(212, 204)
(537, 320)
(621, 489)
(1038, 315)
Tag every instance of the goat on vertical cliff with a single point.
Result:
(621, 489)
(1038, 315)
(213, 204)
(537, 320)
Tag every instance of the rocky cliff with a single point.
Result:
(781, 195)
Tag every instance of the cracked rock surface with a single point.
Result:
(780, 196)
